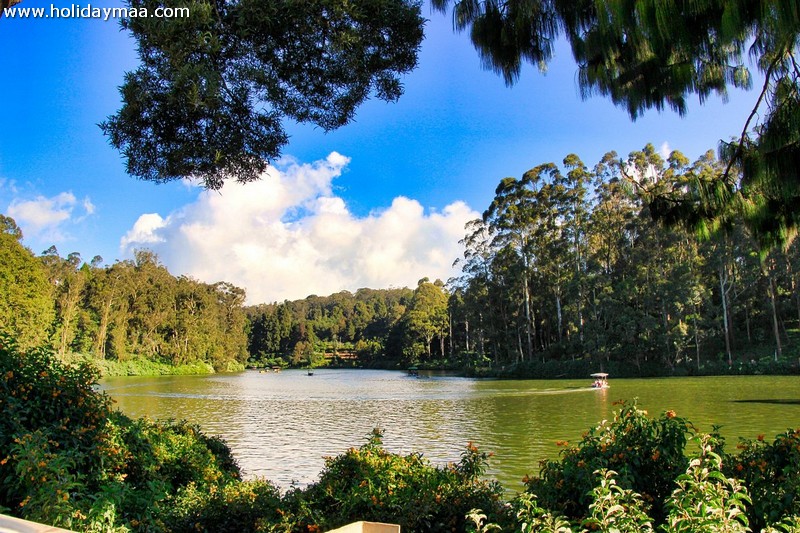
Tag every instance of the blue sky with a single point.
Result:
(380, 202)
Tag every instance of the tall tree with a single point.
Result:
(215, 88)
(26, 304)
(653, 54)
(426, 316)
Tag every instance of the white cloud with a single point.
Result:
(144, 231)
(288, 236)
(665, 150)
(45, 218)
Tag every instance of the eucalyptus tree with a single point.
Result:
(651, 54)
(69, 282)
(610, 238)
(577, 210)
(476, 280)
(511, 223)
(104, 297)
(215, 88)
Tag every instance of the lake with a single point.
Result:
(281, 425)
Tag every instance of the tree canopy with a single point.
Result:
(214, 89)
(648, 54)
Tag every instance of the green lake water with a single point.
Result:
(281, 425)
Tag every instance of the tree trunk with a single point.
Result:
(558, 315)
(765, 269)
(466, 335)
(102, 332)
(449, 335)
(696, 336)
(527, 311)
(723, 280)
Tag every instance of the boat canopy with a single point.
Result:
(599, 375)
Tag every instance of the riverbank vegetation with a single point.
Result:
(566, 273)
(68, 459)
(132, 317)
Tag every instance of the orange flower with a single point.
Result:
(656, 455)
(760, 437)
(670, 414)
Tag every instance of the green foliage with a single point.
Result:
(647, 453)
(147, 367)
(26, 304)
(653, 54)
(365, 328)
(233, 508)
(133, 317)
(534, 519)
(370, 483)
(701, 495)
(771, 473)
(49, 410)
(67, 459)
(705, 499)
(567, 270)
(616, 509)
(213, 89)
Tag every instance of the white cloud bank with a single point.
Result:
(288, 236)
(44, 218)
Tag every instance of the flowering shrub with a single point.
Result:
(370, 483)
(646, 453)
(706, 500)
(68, 459)
(771, 471)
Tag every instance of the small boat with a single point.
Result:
(310, 372)
(413, 371)
(600, 380)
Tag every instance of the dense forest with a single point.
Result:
(131, 310)
(567, 264)
(566, 269)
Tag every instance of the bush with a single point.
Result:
(647, 453)
(68, 459)
(233, 508)
(370, 483)
(771, 471)
(52, 433)
(706, 500)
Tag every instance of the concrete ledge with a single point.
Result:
(9, 524)
(365, 527)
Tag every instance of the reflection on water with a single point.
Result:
(282, 425)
